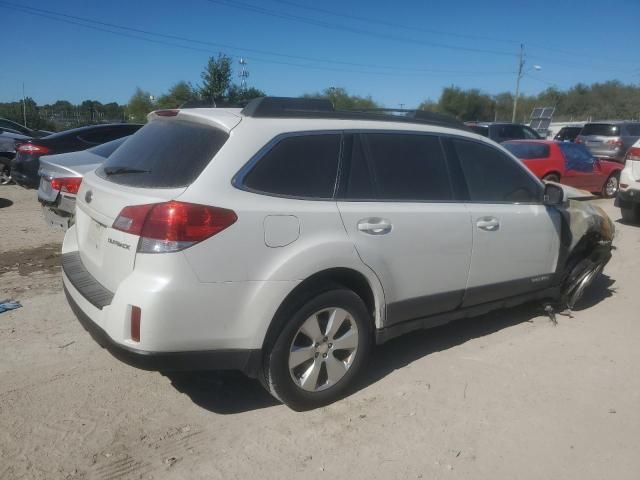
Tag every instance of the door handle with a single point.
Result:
(374, 226)
(490, 224)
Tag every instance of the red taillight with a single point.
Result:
(136, 315)
(32, 149)
(167, 113)
(172, 226)
(69, 185)
(633, 154)
(616, 141)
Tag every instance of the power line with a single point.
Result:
(100, 25)
(345, 28)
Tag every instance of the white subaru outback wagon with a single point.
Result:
(286, 239)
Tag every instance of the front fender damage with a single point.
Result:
(588, 234)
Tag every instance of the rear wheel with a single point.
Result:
(610, 187)
(320, 351)
(551, 177)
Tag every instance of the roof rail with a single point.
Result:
(290, 107)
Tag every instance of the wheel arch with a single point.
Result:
(367, 287)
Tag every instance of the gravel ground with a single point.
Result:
(503, 396)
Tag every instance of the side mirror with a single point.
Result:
(553, 194)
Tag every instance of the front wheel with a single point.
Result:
(320, 351)
(610, 187)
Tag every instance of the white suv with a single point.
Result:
(629, 193)
(286, 239)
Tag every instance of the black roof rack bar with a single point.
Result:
(285, 107)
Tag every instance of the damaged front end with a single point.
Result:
(587, 242)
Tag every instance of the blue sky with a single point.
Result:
(404, 52)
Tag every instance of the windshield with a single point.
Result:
(108, 148)
(164, 154)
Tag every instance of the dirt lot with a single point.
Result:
(504, 396)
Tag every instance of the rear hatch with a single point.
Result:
(603, 139)
(155, 165)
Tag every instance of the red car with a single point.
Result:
(568, 163)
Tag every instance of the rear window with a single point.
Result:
(164, 154)
(601, 129)
(527, 151)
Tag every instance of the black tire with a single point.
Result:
(631, 215)
(277, 377)
(5, 174)
(551, 177)
(612, 193)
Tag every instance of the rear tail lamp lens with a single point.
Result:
(633, 154)
(172, 226)
(167, 113)
(69, 185)
(136, 316)
(32, 149)
(616, 141)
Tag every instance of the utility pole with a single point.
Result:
(520, 69)
(24, 107)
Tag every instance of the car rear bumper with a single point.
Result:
(24, 180)
(244, 360)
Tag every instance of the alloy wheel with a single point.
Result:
(323, 349)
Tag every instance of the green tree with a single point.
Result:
(177, 95)
(342, 100)
(466, 104)
(236, 95)
(140, 104)
(216, 78)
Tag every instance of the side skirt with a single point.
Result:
(387, 333)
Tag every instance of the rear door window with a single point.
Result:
(302, 166)
(164, 154)
(493, 177)
(528, 151)
(601, 130)
(399, 167)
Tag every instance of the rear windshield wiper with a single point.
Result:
(123, 170)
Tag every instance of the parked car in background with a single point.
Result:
(60, 178)
(610, 139)
(8, 141)
(21, 129)
(568, 163)
(501, 132)
(629, 195)
(568, 134)
(285, 238)
(25, 166)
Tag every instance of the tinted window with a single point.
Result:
(527, 151)
(633, 129)
(568, 133)
(15, 127)
(510, 132)
(403, 166)
(480, 130)
(577, 157)
(164, 154)
(601, 129)
(492, 176)
(530, 133)
(108, 148)
(360, 176)
(299, 166)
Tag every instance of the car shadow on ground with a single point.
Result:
(230, 392)
(5, 202)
